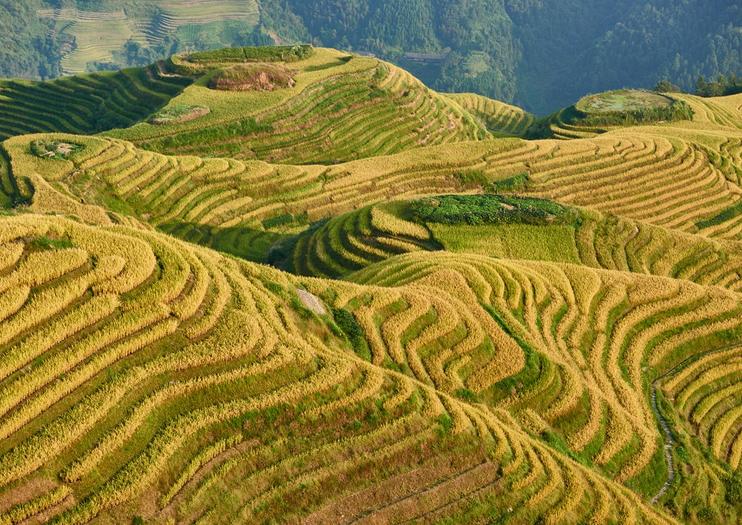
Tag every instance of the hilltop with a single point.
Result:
(295, 284)
(312, 105)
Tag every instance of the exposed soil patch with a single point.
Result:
(311, 302)
(253, 77)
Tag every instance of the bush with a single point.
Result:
(346, 321)
(491, 209)
(255, 54)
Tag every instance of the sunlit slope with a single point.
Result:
(682, 179)
(353, 241)
(167, 375)
(335, 107)
(341, 107)
(593, 340)
(499, 118)
(544, 331)
(721, 111)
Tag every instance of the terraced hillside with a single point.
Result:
(336, 107)
(524, 229)
(596, 114)
(669, 179)
(97, 34)
(499, 118)
(340, 107)
(85, 103)
(100, 34)
(493, 330)
(200, 356)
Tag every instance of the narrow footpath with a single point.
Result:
(669, 439)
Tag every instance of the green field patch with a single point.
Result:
(513, 241)
(349, 326)
(723, 216)
(254, 54)
(491, 209)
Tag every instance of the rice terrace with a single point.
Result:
(291, 283)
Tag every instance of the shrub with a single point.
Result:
(352, 330)
(489, 209)
(254, 54)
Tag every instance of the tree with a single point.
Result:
(665, 86)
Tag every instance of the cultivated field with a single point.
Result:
(99, 35)
(180, 369)
(336, 296)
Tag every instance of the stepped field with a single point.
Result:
(498, 117)
(297, 286)
(101, 33)
(596, 114)
(341, 107)
(338, 107)
(199, 353)
(96, 35)
(353, 241)
(85, 103)
(675, 182)
(218, 376)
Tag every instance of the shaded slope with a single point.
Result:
(85, 103)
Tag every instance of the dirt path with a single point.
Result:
(669, 439)
(668, 446)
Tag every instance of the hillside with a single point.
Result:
(331, 107)
(496, 49)
(296, 285)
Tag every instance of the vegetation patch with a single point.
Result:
(178, 113)
(51, 243)
(53, 149)
(254, 54)
(726, 215)
(623, 100)
(347, 322)
(515, 183)
(491, 209)
(253, 77)
(515, 241)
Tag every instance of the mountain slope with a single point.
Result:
(206, 347)
(498, 49)
(332, 107)
(491, 330)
